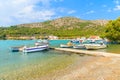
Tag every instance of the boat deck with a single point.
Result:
(96, 53)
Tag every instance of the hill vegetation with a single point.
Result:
(65, 27)
(112, 31)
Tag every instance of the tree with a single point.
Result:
(112, 30)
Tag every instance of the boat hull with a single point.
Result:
(65, 46)
(95, 46)
(35, 49)
(79, 46)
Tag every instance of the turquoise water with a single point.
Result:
(7, 58)
(13, 58)
(12, 63)
(56, 43)
(15, 62)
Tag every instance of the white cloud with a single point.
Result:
(71, 11)
(58, 0)
(60, 9)
(117, 8)
(109, 10)
(38, 15)
(117, 2)
(90, 12)
(117, 5)
(91, 3)
(65, 10)
(104, 5)
(24, 11)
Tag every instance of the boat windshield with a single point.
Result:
(99, 41)
(87, 42)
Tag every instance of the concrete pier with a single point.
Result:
(96, 53)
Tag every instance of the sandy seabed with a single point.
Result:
(99, 68)
(83, 68)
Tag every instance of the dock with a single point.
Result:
(95, 53)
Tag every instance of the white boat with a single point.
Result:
(95, 46)
(41, 42)
(79, 46)
(68, 45)
(35, 48)
(65, 46)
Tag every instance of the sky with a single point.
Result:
(14, 12)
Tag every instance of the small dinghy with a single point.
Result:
(16, 49)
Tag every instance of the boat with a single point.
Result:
(35, 48)
(79, 46)
(68, 45)
(16, 49)
(65, 46)
(41, 42)
(98, 44)
(95, 46)
(75, 41)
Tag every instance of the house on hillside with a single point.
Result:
(95, 37)
(52, 37)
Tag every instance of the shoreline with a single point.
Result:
(95, 53)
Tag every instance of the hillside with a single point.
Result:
(65, 27)
(69, 22)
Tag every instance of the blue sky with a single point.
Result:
(14, 12)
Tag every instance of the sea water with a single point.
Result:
(20, 66)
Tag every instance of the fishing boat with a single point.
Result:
(79, 46)
(35, 48)
(95, 46)
(75, 41)
(68, 45)
(65, 46)
(39, 45)
(41, 42)
(98, 44)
